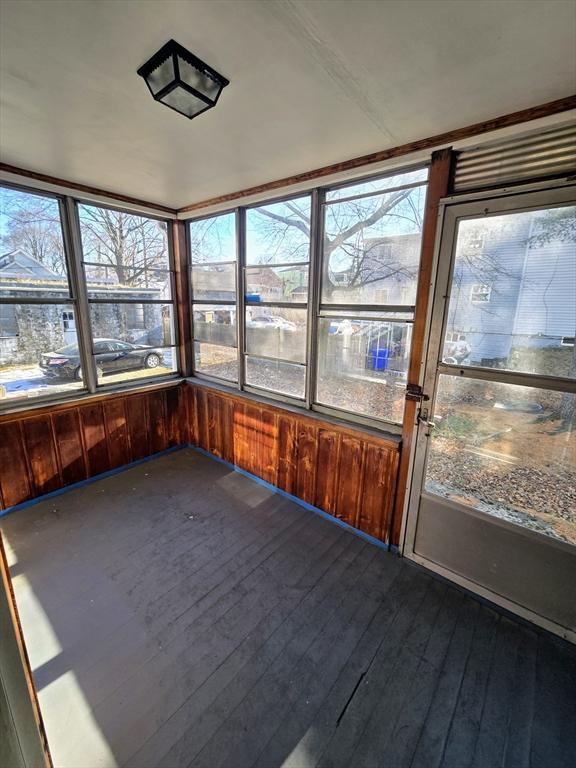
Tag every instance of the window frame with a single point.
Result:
(235, 212)
(79, 302)
(315, 308)
(94, 387)
(302, 305)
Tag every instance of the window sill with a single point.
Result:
(33, 406)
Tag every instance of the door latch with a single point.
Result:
(422, 418)
(414, 392)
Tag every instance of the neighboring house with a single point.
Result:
(27, 330)
(511, 293)
(386, 273)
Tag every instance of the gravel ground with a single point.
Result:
(543, 500)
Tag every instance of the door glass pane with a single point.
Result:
(277, 333)
(276, 376)
(362, 366)
(506, 450)
(513, 296)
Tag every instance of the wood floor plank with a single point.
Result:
(465, 726)
(286, 663)
(342, 744)
(182, 665)
(302, 673)
(430, 745)
(492, 738)
(518, 746)
(553, 732)
(303, 735)
(222, 692)
(179, 614)
(400, 712)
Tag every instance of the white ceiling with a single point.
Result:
(313, 82)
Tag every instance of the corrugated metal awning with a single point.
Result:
(541, 155)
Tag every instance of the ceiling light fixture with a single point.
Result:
(181, 81)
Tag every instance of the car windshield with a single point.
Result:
(70, 349)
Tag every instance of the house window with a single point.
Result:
(135, 316)
(567, 341)
(129, 276)
(362, 290)
(8, 322)
(480, 293)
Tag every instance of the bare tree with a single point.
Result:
(129, 246)
(32, 225)
(351, 248)
(123, 244)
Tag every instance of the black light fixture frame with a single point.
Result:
(173, 49)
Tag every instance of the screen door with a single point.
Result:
(493, 500)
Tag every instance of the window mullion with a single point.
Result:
(316, 230)
(240, 293)
(73, 244)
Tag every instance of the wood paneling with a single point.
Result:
(504, 121)
(15, 482)
(41, 454)
(343, 471)
(346, 472)
(50, 448)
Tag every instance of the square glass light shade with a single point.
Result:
(184, 102)
(180, 80)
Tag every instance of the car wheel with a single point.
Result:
(78, 373)
(152, 361)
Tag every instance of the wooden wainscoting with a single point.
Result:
(47, 449)
(348, 473)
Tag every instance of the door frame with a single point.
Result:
(451, 209)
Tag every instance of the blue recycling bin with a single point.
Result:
(380, 359)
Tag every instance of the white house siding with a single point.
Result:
(533, 289)
(547, 301)
(498, 265)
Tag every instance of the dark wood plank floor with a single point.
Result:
(180, 614)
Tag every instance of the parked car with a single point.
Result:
(112, 356)
(271, 321)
